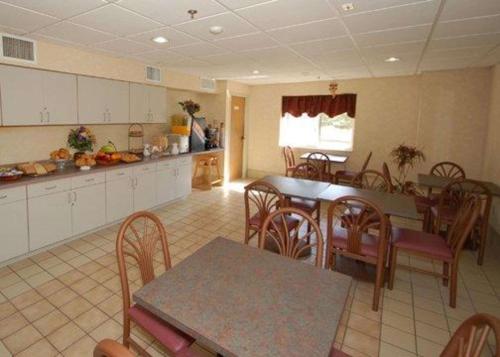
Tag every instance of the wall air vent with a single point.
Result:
(153, 74)
(17, 48)
(208, 84)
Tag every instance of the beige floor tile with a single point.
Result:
(9, 279)
(40, 348)
(431, 318)
(50, 262)
(75, 307)
(11, 324)
(37, 310)
(4, 351)
(26, 299)
(50, 322)
(398, 338)
(364, 325)
(111, 305)
(22, 339)
(65, 336)
(49, 288)
(39, 279)
(97, 294)
(83, 347)
(361, 342)
(16, 289)
(109, 329)
(84, 285)
(71, 277)
(102, 275)
(61, 297)
(428, 348)
(398, 321)
(388, 350)
(91, 319)
(365, 310)
(59, 269)
(6, 309)
(29, 271)
(398, 307)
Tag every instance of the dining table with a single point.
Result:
(296, 187)
(239, 300)
(334, 159)
(392, 204)
(440, 182)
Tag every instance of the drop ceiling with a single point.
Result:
(284, 40)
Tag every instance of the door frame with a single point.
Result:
(227, 143)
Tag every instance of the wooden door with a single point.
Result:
(237, 137)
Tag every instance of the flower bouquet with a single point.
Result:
(82, 140)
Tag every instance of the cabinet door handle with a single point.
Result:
(109, 116)
(51, 187)
(48, 117)
(104, 115)
(69, 197)
(41, 117)
(75, 197)
(3, 197)
(90, 180)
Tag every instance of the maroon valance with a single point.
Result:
(316, 104)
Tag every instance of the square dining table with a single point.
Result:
(334, 159)
(440, 182)
(295, 187)
(393, 204)
(243, 301)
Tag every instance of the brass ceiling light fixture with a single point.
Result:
(333, 88)
(192, 12)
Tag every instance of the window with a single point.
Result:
(320, 132)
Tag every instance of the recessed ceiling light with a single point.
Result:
(159, 39)
(392, 59)
(256, 71)
(348, 6)
(216, 30)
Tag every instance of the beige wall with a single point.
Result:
(444, 113)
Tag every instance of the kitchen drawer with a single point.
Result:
(117, 174)
(12, 194)
(140, 169)
(166, 164)
(188, 160)
(87, 180)
(45, 188)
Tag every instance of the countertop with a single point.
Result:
(73, 171)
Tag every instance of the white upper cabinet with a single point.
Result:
(34, 97)
(102, 101)
(148, 104)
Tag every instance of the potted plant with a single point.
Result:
(406, 157)
(82, 140)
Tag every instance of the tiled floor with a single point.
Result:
(61, 302)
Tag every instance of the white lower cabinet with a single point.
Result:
(119, 199)
(14, 223)
(144, 191)
(89, 208)
(183, 180)
(49, 219)
(165, 185)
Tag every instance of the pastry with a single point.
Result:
(85, 160)
(60, 154)
(128, 157)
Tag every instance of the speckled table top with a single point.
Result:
(295, 187)
(243, 301)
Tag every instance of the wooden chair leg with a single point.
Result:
(446, 273)
(247, 235)
(392, 267)
(126, 332)
(453, 286)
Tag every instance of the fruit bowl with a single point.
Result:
(10, 175)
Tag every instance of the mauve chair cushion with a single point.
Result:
(256, 221)
(433, 245)
(369, 242)
(305, 205)
(170, 337)
(448, 214)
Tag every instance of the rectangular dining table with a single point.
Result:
(440, 182)
(242, 301)
(334, 159)
(393, 204)
(295, 187)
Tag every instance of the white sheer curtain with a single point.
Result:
(299, 132)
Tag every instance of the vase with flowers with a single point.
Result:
(82, 140)
(406, 157)
(190, 107)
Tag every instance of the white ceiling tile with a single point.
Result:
(199, 50)
(456, 53)
(467, 27)
(160, 56)
(347, 58)
(461, 9)
(59, 8)
(274, 54)
(394, 50)
(281, 13)
(116, 20)
(186, 63)
(402, 16)
(491, 39)
(349, 72)
(407, 34)
(12, 31)
(247, 42)
(238, 4)
(323, 47)
(171, 12)
(442, 64)
(175, 38)
(370, 5)
(57, 41)
(392, 72)
(227, 59)
(310, 31)
(75, 33)
(123, 46)
(21, 19)
(232, 26)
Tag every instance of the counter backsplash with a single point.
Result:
(19, 144)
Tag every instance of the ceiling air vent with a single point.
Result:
(153, 74)
(18, 48)
(208, 84)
